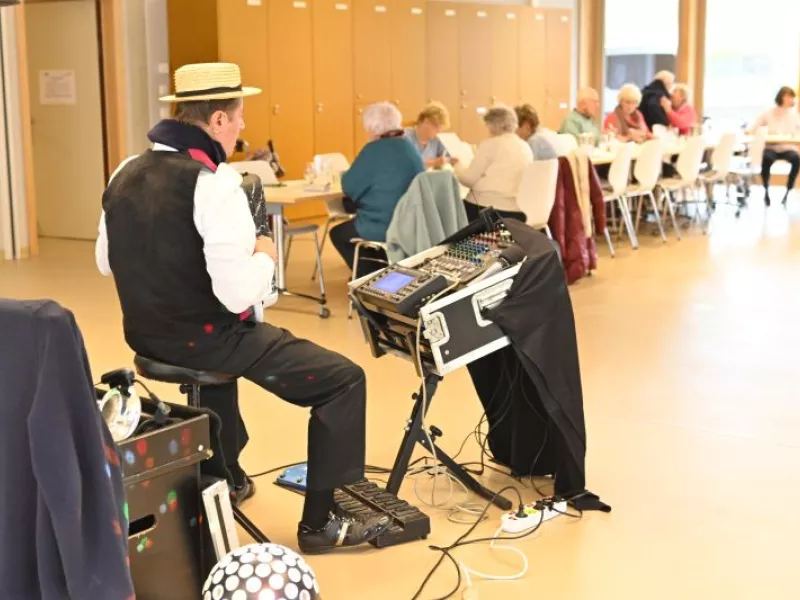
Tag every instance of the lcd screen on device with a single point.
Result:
(393, 282)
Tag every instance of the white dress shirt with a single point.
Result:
(240, 278)
(495, 173)
(779, 121)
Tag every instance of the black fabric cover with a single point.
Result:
(538, 428)
(63, 525)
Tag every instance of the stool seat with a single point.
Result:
(159, 371)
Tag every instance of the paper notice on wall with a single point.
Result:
(57, 87)
(253, 2)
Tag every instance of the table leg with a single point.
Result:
(279, 238)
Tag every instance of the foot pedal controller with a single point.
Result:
(365, 499)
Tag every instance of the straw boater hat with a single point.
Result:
(209, 81)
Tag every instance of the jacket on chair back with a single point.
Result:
(63, 529)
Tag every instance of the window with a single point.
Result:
(641, 39)
(750, 53)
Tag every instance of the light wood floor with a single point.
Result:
(689, 356)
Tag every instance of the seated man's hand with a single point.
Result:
(266, 246)
(435, 163)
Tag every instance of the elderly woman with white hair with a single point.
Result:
(377, 179)
(626, 121)
(495, 173)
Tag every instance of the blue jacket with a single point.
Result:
(377, 179)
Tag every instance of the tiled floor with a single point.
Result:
(689, 362)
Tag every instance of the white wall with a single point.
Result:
(13, 208)
(146, 51)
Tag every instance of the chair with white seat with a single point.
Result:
(338, 163)
(721, 160)
(747, 167)
(537, 193)
(688, 169)
(646, 171)
(619, 174)
(567, 144)
(660, 131)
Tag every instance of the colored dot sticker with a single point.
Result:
(130, 457)
(125, 512)
(186, 436)
(208, 328)
(150, 462)
(108, 470)
(141, 447)
(162, 509)
(311, 377)
(173, 447)
(193, 522)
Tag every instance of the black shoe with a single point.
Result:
(785, 198)
(340, 533)
(242, 492)
(767, 201)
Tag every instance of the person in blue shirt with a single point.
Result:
(375, 182)
(431, 120)
(530, 131)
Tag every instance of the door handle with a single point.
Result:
(320, 107)
(276, 109)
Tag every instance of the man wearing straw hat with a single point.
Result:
(179, 237)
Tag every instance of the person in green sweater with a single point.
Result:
(583, 119)
(375, 182)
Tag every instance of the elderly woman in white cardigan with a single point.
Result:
(495, 173)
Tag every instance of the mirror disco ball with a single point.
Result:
(261, 572)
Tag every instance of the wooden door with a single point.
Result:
(558, 76)
(408, 56)
(505, 54)
(192, 31)
(248, 48)
(442, 63)
(532, 58)
(63, 62)
(372, 50)
(475, 69)
(291, 84)
(333, 77)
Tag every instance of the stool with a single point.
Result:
(190, 382)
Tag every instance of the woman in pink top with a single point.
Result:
(782, 119)
(626, 121)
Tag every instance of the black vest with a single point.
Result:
(156, 254)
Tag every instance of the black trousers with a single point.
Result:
(297, 371)
(369, 260)
(769, 158)
(473, 211)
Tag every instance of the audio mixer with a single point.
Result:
(403, 288)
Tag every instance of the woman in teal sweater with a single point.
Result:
(377, 179)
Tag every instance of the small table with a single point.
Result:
(276, 198)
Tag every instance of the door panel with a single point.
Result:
(558, 39)
(442, 57)
(68, 156)
(291, 68)
(248, 48)
(475, 69)
(532, 58)
(333, 77)
(505, 55)
(408, 56)
(372, 50)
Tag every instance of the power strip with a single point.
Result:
(511, 522)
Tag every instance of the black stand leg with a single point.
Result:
(415, 434)
(193, 393)
(250, 527)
